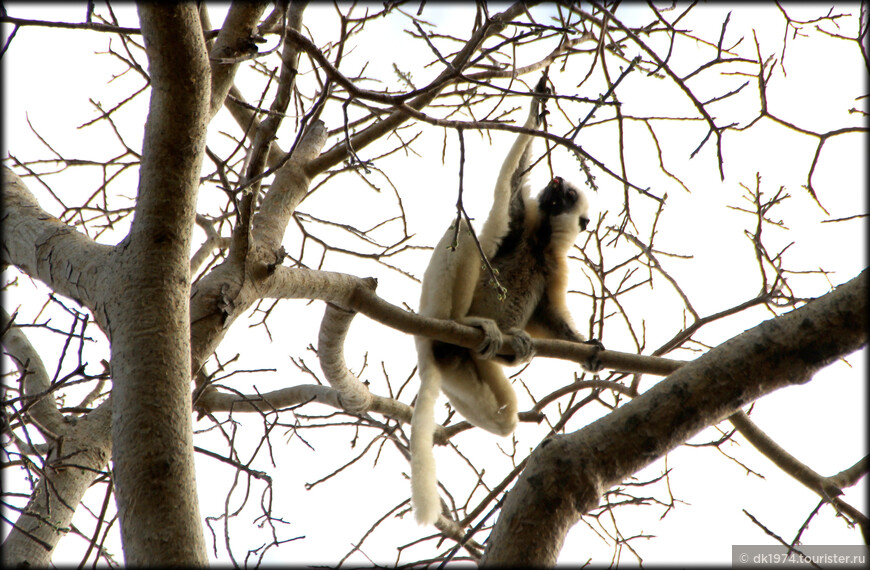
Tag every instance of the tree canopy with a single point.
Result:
(199, 200)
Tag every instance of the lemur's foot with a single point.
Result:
(593, 364)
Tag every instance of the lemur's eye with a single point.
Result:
(572, 194)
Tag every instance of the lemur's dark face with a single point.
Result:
(560, 197)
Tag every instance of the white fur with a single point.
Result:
(496, 225)
(470, 391)
(424, 483)
(475, 389)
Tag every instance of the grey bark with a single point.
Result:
(148, 306)
(233, 43)
(78, 453)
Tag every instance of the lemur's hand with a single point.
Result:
(542, 93)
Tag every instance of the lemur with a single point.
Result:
(526, 241)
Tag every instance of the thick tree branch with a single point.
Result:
(567, 474)
(77, 457)
(287, 190)
(43, 247)
(233, 42)
(265, 134)
(215, 400)
(232, 287)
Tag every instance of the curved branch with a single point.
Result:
(355, 396)
(45, 248)
(40, 403)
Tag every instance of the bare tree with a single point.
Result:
(280, 108)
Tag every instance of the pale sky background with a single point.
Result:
(50, 81)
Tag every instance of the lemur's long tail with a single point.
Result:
(424, 481)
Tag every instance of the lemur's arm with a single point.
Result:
(511, 189)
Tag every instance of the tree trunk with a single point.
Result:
(149, 312)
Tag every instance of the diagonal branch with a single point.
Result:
(234, 40)
(824, 486)
(567, 474)
(45, 248)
